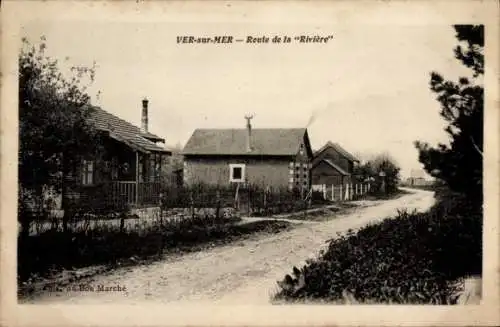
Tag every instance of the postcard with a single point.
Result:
(250, 163)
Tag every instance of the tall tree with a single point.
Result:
(460, 163)
(371, 169)
(54, 130)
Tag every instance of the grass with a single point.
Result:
(44, 256)
(415, 258)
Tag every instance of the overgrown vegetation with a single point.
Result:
(412, 259)
(95, 244)
(54, 131)
(382, 172)
(459, 164)
(417, 258)
(250, 199)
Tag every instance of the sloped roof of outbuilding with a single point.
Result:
(264, 141)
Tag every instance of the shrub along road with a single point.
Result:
(241, 273)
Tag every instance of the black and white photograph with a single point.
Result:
(168, 158)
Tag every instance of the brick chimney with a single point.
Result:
(144, 116)
(249, 134)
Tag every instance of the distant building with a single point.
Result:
(332, 165)
(417, 178)
(417, 181)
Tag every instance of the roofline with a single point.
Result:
(237, 154)
(334, 166)
(137, 147)
(131, 145)
(242, 128)
(330, 144)
(153, 137)
(148, 135)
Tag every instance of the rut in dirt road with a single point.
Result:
(240, 273)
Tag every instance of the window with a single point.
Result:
(291, 180)
(301, 151)
(87, 172)
(237, 173)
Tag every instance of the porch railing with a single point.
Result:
(136, 194)
(124, 192)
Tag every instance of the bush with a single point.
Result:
(255, 199)
(410, 259)
(107, 244)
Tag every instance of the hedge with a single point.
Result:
(412, 259)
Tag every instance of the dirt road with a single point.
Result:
(241, 273)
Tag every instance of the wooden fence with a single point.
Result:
(246, 199)
(342, 192)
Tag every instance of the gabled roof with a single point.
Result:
(124, 131)
(337, 148)
(264, 141)
(334, 166)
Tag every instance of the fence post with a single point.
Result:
(265, 200)
(236, 198)
(191, 203)
(217, 210)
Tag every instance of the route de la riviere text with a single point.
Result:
(253, 39)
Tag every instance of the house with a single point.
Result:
(332, 165)
(417, 181)
(126, 170)
(417, 178)
(277, 157)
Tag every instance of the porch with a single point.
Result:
(135, 194)
(115, 195)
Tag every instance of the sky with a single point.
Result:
(367, 88)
